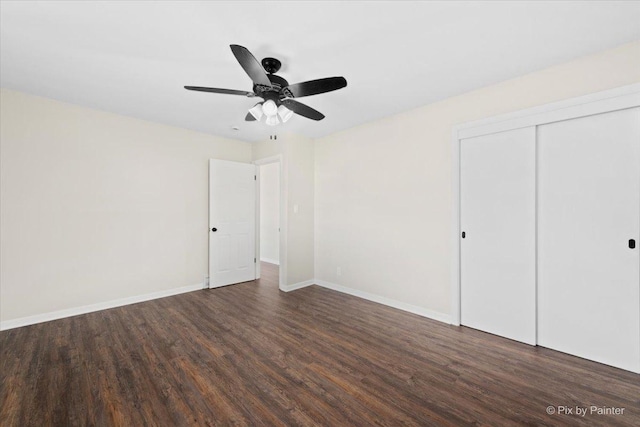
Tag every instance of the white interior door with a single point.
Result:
(497, 208)
(232, 222)
(589, 209)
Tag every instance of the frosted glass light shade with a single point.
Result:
(256, 111)
(284, 113)
(269, 108)
(272, 120)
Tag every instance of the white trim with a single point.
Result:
(424, 312)
(282, 272)
(266, 160)
(299, 285)
(70, 312)
(256, 222)
(270, 261)
(595, 103)
(455, 229)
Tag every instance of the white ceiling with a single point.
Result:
(134, 58)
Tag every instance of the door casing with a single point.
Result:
(283, 216)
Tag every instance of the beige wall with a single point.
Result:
(297, 153)
(97, 207)
(383, 189)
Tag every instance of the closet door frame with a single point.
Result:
(596, 103)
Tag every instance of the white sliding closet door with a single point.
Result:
(589, 210)
(497, 208)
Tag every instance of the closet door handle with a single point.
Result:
(632, 243)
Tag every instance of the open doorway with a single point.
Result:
(269, 221)
(270, 213)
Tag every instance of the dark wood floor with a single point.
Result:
(251, 355)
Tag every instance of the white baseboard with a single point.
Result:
(424, 312)
(299, 285)
(54, 315)
(60, 314)
(270, 261)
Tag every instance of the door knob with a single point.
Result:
(214, 229)
(632, 244)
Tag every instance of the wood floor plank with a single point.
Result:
(251, 355)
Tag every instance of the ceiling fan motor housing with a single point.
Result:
(273, 92)
(271, 65)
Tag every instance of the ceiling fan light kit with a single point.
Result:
(269, 108)
(278, 105)
(284, 113)
(256, 111)
(272, 120)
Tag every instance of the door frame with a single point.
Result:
(282, 271)
(600, 102)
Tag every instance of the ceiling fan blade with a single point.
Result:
(225, 91)
(314, 87)
(251, 65)
(303, 110)
(249, 118)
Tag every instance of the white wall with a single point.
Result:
(383, 189)
(97, 207)
(270, 213)
(297, 153)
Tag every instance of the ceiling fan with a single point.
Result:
(276, 92)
